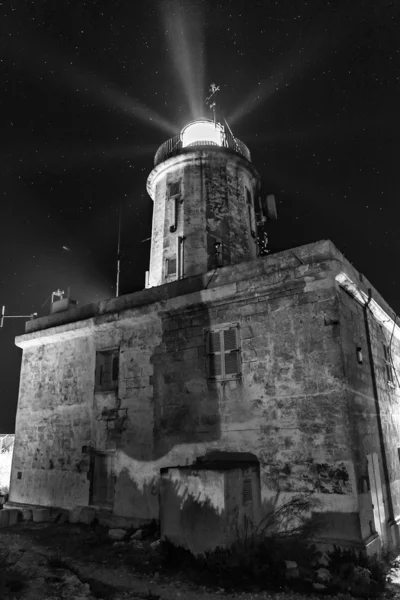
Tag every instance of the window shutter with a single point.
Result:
(230, 340)
(99, 369)
(214, 341)
(231, 363)
(214, 354)
(388, 361)
(215, 365)
(231, 351)
(115, 367)
(247, 492)
(107, 370)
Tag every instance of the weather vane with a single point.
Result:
(210, 101)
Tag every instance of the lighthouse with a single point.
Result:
(205, 193)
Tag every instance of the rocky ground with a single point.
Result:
(53, 561)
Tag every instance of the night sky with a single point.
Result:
(91, 89)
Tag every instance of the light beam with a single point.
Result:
(183, 26)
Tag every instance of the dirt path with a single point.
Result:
(56, 568)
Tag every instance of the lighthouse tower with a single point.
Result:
(205, 192)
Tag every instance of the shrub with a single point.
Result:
(358, 573)
(258, 554)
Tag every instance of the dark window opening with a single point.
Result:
(171, 266)
(107, 370)
(174, 188)
(388, 364)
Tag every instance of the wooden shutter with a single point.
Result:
(99, 369)
(247, 492)
(107, 369)
(115, 367)
(231, 354)
(214, 354)
(223, 353)
(388, 362)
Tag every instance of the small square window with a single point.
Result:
(174, 189)
(107, 370)
(223, 353)
(170, 266)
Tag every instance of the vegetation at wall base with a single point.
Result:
(357, 573)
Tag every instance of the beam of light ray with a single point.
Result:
(304, 56)
(52, 64)
(86, 83)
(183, 25)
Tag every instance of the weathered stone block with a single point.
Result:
(87, 515)
(40, 515)
(27, 514)
(74, 515)
(4, 518)
(13, 514)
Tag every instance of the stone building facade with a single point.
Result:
(209, 398)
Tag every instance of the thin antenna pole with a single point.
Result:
(118, 252)
(4, 316)
(212, 104)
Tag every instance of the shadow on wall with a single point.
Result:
(217, 501)
(186, 400)
(211, 502)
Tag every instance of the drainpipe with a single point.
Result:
(378, 410)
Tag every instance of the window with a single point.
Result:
(170, 267)
(223, 353)
(174, 189)
(359, 355)
(107, 370)
(251, 212)
(388, 363)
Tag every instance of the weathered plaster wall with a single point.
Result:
(289, 408)
(366, 411)
(6, 454)
(54, 421)
(201, 509)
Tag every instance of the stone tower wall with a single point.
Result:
(215, 187)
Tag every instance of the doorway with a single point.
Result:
(103, 479)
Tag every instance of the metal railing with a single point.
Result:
(174, 145)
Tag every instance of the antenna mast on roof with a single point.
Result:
(4, 316)
(210, 101)
(118, 253)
